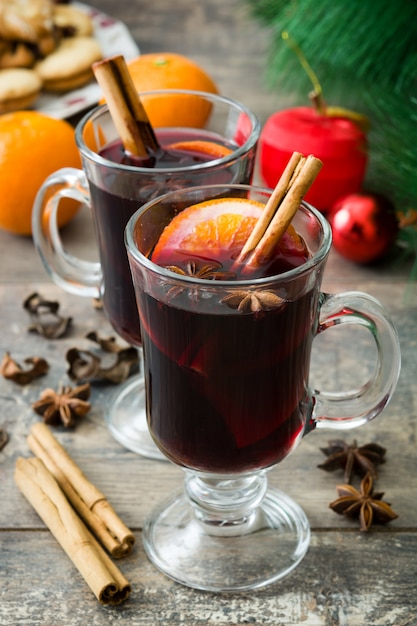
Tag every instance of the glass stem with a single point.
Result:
(226, 505)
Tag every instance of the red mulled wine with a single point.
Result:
(226, 389)
(122, 194)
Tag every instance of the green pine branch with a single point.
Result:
(377, 42)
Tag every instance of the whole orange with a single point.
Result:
(167, 70)
(32, 146)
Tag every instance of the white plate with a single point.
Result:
(114, 38)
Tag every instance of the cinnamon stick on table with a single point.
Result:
(43, 492)
(125, 107)
(86, 499)
(280, 209)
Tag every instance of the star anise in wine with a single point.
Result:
(365, 504)
(63, 406)
(253, 301)
(202, 270)
(206, 271)
(353, 458)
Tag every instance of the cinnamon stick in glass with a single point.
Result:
(86, 499)
(125, 107)
(43, 492)
(280, 209)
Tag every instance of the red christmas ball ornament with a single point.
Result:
(364, 226)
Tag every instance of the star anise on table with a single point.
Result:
(365, 504)
(64, 406)
(253, 301)
(353, 458)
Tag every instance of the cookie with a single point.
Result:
(72, 22)
(46, 45)
(69, 66)
(25, 20)
(19, 88)
(16, 55)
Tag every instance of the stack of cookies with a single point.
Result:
(44, 45)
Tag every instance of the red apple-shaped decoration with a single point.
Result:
(243, 129)
(364, 226)
(335, 139)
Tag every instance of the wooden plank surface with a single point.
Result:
(347, 578)
(340, 581)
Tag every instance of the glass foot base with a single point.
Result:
(273, 541)
(126, 419)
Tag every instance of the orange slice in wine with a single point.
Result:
(211, 148)
(209, 229)
(215, 229)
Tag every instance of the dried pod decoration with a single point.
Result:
(108, 344)
(45, 317)
(364, 504)
(352, 458)
(4, 438)
(11, 370)
(85, 365)
(64, 406)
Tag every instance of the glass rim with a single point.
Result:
(306, 267)
(236, 154)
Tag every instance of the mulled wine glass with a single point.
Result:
(228, 395)
(224, 135)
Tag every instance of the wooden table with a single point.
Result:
(348, 577)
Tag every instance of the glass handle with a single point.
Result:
(71, 273)
(344, 410)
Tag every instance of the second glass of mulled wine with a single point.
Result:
(227, 359)
(205, 139)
